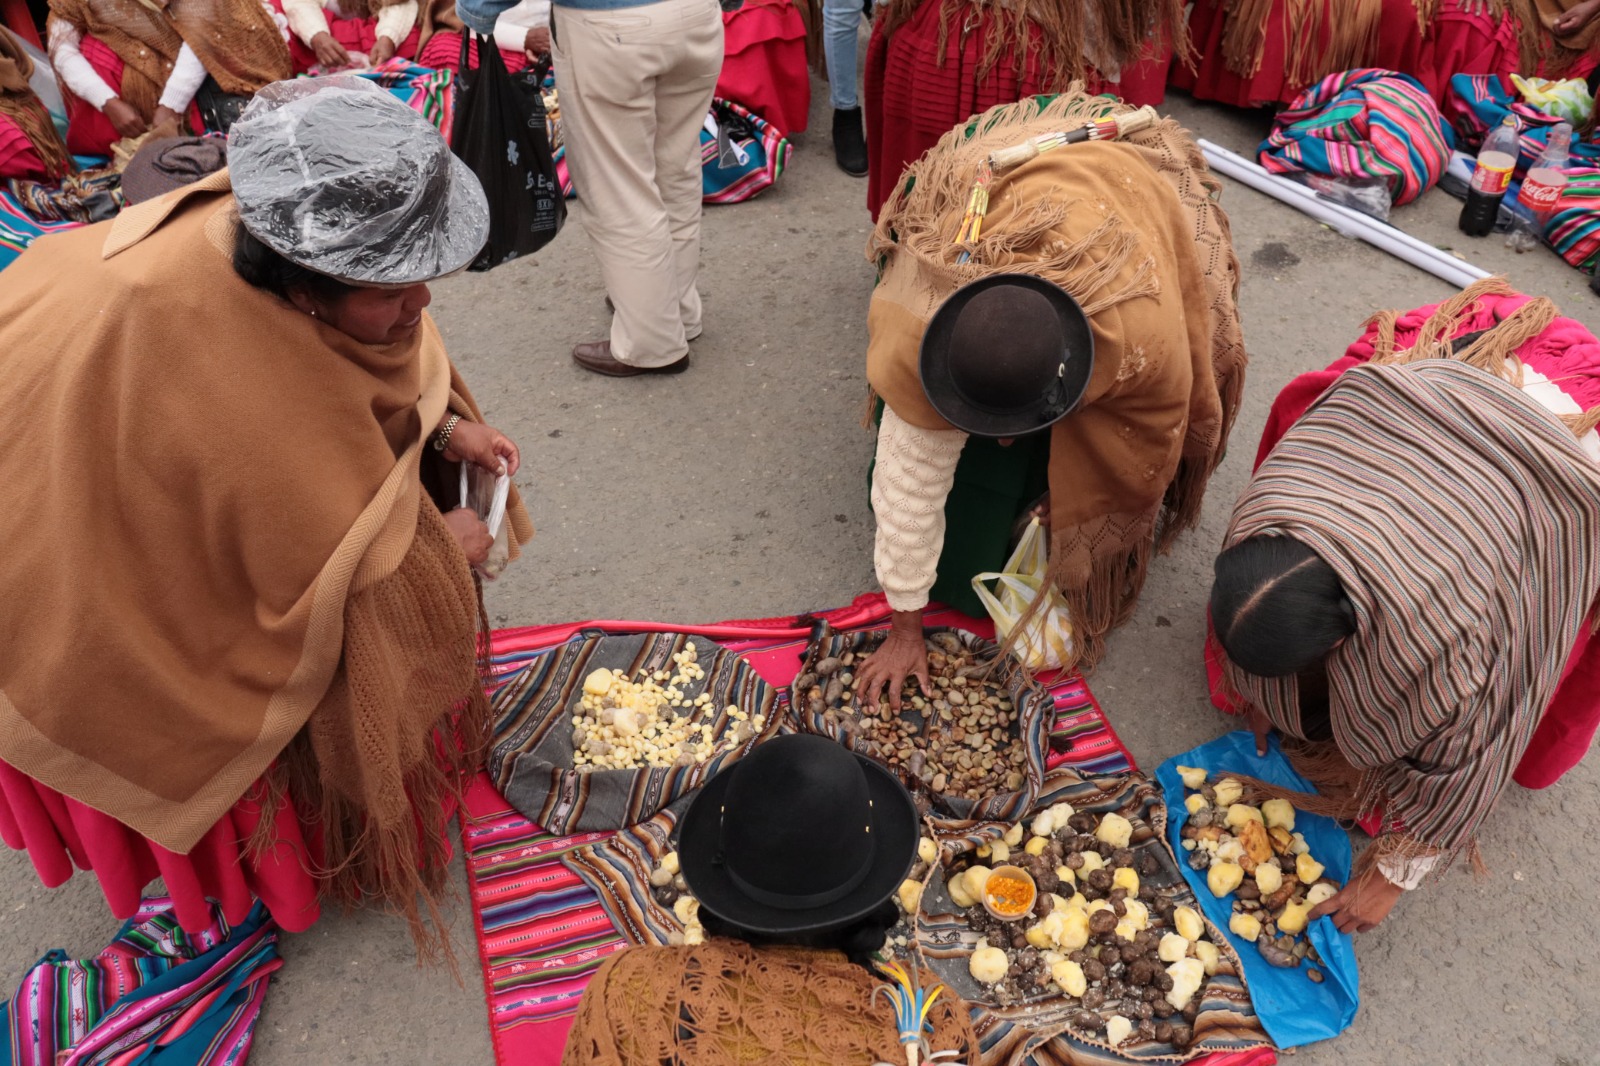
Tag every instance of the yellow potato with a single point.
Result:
(988, 965)
(1074, 930)
(597, 683)
(1196, 803)
(1043, 934)
(1000, 853)
(669, 862)
(1268, 878)
(1126, 929)
(1246, 926)
(1136, 913)
(1092, 861)
(910, 896)
(1188, 923)
(1209, 955)
(1126, 877)
(1193, 777)
(1036, 845)
(1069, 975)
(974, 880)
(1320, 892)
(1066, 876)
(1224, 877)
(1279, 814)
(1229, 791)
(1172, 948)
(1097, 905)
(1240, 813)
(927, 850)
(1115, 830)
(959, 895)
(1306, 868)
(1013, 835)
(686, 909)
(1294, 918)
(1079, 902)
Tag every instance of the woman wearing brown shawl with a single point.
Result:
(1404, 582)
(131, 66)
(30, 147)
(932, 64)
(278, 626)
(1131, 232)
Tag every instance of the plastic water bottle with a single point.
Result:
(1541, 189)
(1496, 160)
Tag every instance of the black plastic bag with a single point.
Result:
(500, 132)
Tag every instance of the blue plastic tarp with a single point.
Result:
(1294, 1009)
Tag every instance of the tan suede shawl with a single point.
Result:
(209, 503)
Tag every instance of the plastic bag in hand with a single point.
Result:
(1046, 642)
(485, 494)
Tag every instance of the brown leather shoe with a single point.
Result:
(596, 356)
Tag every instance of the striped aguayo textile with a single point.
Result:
(1363, 124)
(1461, 518)
(542, 932)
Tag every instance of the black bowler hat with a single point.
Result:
(1006, 355)
(799, 835)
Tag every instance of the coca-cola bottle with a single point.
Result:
(1541, 189)
(1496, 160)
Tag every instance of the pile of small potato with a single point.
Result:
(671, 891)
(1129, 960)
(624, 723)
(1249, 849)
(961, 739)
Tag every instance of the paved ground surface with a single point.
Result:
(738, 490)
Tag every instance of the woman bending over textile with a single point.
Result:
(30, 146)
(1121, 242)
(247, 647)
(795, 909)
(932, 64)
(128, 67)
(1409, 582)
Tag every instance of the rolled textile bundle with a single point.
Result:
(1363, 124)
(1573, 229)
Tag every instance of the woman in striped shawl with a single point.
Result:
(1406, 579)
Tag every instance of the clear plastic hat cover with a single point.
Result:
(340, 177)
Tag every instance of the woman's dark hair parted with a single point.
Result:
(266, 269)
(1277, 607)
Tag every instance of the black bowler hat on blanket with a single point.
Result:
(1006, 355)
(799, 835)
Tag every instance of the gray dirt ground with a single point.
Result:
(737, 490)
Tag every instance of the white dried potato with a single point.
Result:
(988, 966)
(1115, 830)
(1013, 835)
(1092, 861)
(1245, 926)
(1298, 845)
(1196, 803)
(1188, 923)
(1127, 930)
(1066, 876)
(1118, 1029)
(1209, 955)
(1279, 814)
(1000, 852)
(669, 863)
(1074, 934)
(1224, 877)
(1229, 791)
(686, 908)
(695, 934)
(1045, 932)
(1136, 913)
(1268, 878)
(1240, 813)
(1187, 977)
(1172, 948)
(1306, 868)
(1194, 777)
(1320, 893)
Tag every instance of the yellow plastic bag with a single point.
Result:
(1047, 642)
(1567, 99)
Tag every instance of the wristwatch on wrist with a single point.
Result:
(441, 436)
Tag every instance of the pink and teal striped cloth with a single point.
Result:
(156, 996)
(1363, 124)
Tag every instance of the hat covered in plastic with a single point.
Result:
(337, 176)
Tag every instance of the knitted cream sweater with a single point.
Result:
(912, 479)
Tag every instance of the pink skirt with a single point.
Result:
(443, 52)
(88, 131)
(18, 158)
(357, 35)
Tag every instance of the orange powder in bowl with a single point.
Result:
(1009, 892)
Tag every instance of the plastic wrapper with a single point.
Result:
(485, 494)
(340, 177)
(1370, 196)
(1047, 642)
(1567, 98)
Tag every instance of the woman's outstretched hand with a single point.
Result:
(902, 654)
(1360, 905)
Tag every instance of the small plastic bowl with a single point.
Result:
(1020, 883)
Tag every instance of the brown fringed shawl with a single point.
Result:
(237, 41)
(224, 561)
(1325, 37)
(22, 105)
(1132, 231)
(726, 1003)
(1462, 519)
(1072, 37)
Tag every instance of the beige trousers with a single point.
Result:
(636, 84)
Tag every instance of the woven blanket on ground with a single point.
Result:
(19, 229)
(741, 154)
(542, 932)
(1479, 103)
(430, 93)
(618, 869)
(1573, 228)
(1363, 124)
(156, 994)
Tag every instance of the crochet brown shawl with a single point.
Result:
(1133, 232)
(1462, 519)
(22, 105)
(239, 44)
(224, 560)
(726, 1003)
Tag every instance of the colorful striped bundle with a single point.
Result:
(155, 990)
(743, 157)
(430, 93)
(1477, 104)
(18, 229)
(1363, 124)
(1574, 226)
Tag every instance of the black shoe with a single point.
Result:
(849, 145)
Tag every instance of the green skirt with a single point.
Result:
(993, 487)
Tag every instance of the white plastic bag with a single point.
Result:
(485, 494)
(1046, 644)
